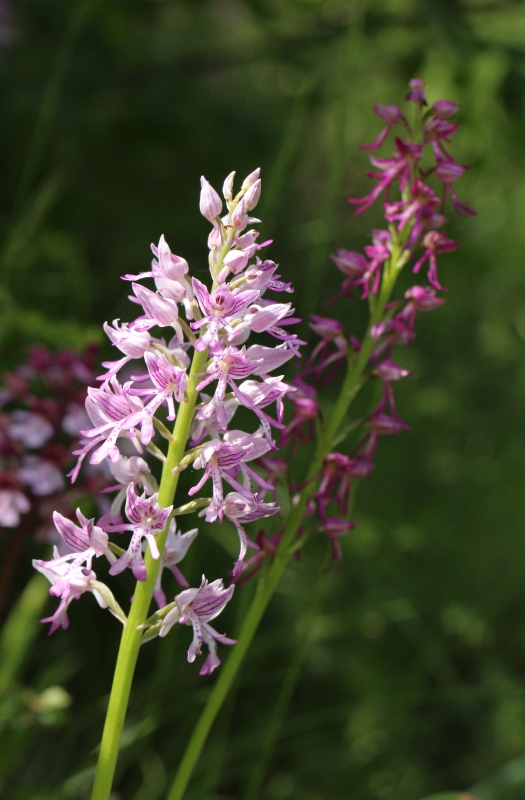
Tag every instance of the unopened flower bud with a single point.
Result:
(236, 260)
(445, 109)
(251, 198)
(223, 274)
(448, 171)
(250, 179)
(210, 203)
(227, 188)
(417, 91)
(239, 216)
(392, 114)
(388, 370)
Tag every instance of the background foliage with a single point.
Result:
(406, 666)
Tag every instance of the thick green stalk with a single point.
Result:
(131, 636)
(270, 579)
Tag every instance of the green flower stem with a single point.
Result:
(271, 577)
(131, 636)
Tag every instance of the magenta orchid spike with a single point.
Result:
(415, 220)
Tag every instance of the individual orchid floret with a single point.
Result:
(398, 168)
(383, 424)
(75, 583)
(133, 343)
(397, 330)
(220, 308)
(423, 298)
(247, 242)
(230, 366)
(259, 395)
(161, 311)
(261, 276)
(435, 243)
(83, 537)
(86, 538)
(227, 460)
(197, 607)
(330, 331)
(168, 265)
(146, 519)
(86, 541)
(170, 383)
(353, 265)
(400, 328)
(435, 132)
(170, 274)
(112, 410)
(302, 425)
(239, 509)
(125, 471)
(263, 317)
(175, 549)
(339, 471)
(448, 171)
(335, 528)
(218, 460)
(359, 270)
(210, 203)
(393, 116)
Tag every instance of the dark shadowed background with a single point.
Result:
(406, 667)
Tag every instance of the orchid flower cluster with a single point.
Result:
(413, 235)
(186, 359)
(187, 349)
(41, 414)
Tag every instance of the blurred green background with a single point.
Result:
(406, 667)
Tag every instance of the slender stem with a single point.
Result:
(131, 636)
(282, 703)
(271, 577)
